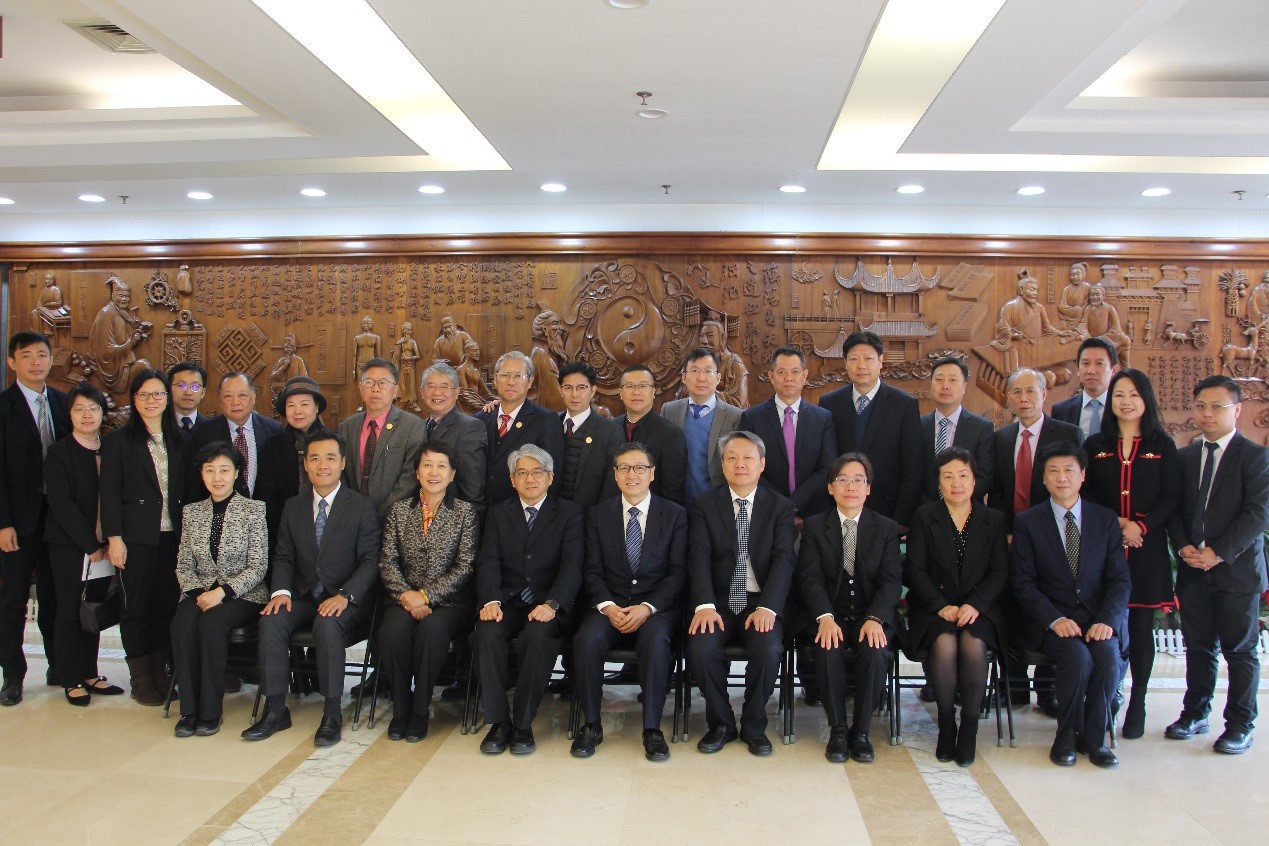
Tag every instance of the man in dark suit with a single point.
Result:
(882, 422)
(527, 576)
(241, 426)
(383, 441)
(33, 415)
(640, 423)
(515, 422)
(951, 424)
(590, 440)
(1218, 535)
(462, 431)
(800, 435)
(740, 567)
(189, 386)
(704, 418)
(1071, 578)
(324, 572)
(1097, 362)
(636, 550)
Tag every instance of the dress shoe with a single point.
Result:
(233, 683)
(78, 696)
(927, 693)
(811, 696)
(654, 746)
(861, 748)
(186, 725)
(396, 728)
(268, 725)
(1233, 741)
(11, 693)
(563, 688)
(1103, 757)
(329, 730)
(838, 748)
(455, 692)
(1117, 703)
(1049, 706)
(522, 742)
(1186, 727)
(417, 728)
(368, 686)
(206, 728)
(758, 745)
(495, 742)
(945, 746)
(1063, 751)
(588, 737)
(716, 738)
(626, 675)
(100, 687)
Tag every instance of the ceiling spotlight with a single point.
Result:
(5, 201)
(92, 198)
(793, 189)
(1030, 190)
(431, 189)
(199, 195)
(554, 187)
(312, 192)
(627, 4)
(1156, 192)
(910, 189)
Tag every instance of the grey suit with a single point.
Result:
(392, 476)
(466, 435)
(726, 418)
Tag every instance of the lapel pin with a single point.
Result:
(518, 424)
(588, 440)
(389, 426)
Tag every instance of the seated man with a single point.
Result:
(1071, 579)
(740, 566)
(636, 549)
(851, 575)
(527, 575)
(325, 567)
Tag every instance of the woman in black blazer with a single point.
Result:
(1133, 470)
(957, 565)
(73, 531)
(143, 477)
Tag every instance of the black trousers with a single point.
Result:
(537, 647)
(76, 648)
(870, 665)
(1088, 675)
(17, 569)
(415, 650)
(200, 642)
(651, 643)
(330, 640)
(710, 667)
(1212, 620)
(150, 596)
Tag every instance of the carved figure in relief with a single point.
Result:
(1023, 320)
(50, 311)
(1102, 321)
(733, 386)
(1147, 333)
(547, 355)
(115, 333)
(404, 356)
(289, 365)
(1132, 329)
(1231, 355)
(1258, 302)
(183, 285)
(458, 349)
(366, 346)
(1074, 297)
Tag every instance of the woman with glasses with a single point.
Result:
(143, 469)
(957, 565)
(1133, 470)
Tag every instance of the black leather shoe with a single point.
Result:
(838, 748)
(1103, 757)
(1048, 705)
(369, 686)
(396, 728)
(563, 688)
(811, 696)
(1063, 751)
(456, 692)
(206, 728)
(233, 683)
(329, 730)
(716, 738)
(626, 675)
(1186, 727)
(186, 725)
(416, 730)
(861, 748)
(495, 742)
(758, 745)
(588, 737)
(927, 693)
(269, 724)
(654, 746)
(1233, 742)
(522, 742)
(11, 693)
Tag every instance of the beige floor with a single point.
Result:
(113, 774)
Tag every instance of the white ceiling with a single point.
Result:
(1095, 100)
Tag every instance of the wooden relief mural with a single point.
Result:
(276, 318)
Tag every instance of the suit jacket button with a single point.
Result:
(140, 502)
(634, 581)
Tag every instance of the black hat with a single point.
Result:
(300, 385)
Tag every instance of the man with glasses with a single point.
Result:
(383, 441)
(513, 422)
(189, 385)
(640, 423)
(704, 418)
(1218, 535)
(239, 425)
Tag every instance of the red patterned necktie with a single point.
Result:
(504, 423)
(1022, 476)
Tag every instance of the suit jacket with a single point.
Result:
(22, 456)
(131, 500)
(974, 433)
(217, 429)
(1069, 409)
(466, 435)
(392, 476)
(934, 578)
(442, 562)
(533, 425)
(878, 570)
(599, 439)
(669, 450)
(1001, 497)
(894, 428)
(1042, 580)
(281, 474)
(725, 418)
(662, 571)
(711, 547)
(547, 559)
(241, 558)
(348, 558)
(71, 479)
(1235, 520)
(814, 448)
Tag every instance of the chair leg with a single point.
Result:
(374, 694)
(896, 715)
(1004, 695)
(361, 690)
(167, 701)
(997, 693)
(255, 706)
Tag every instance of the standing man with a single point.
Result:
(740, 567)
(189, 385)
(590, 441)
(882, 422)
(384, 440)
(640, 423)
(239, 425)
(951, 424)
(515, 422)
(463, 432)
(1218, 535)
(704, 418)
(1098, 362)
(33, 415)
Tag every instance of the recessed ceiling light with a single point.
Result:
(92, 198)
(199, 195)
(1030, 190)
(627, 4)
(554, 187)
(312, 192)
(5, 201)
(1156, 192)
(793, 189)
(652, 114)
(431, 189)
(910, 189)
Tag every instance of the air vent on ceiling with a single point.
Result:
(109, 36)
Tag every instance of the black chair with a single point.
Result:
(245, 660)
(786, 689)
(1040, 659)
(997, 691)
(472, 715)
(628, 656)
(374, 686)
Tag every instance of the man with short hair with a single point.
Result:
(189, 386)
(704, 418)
(640, 423)
(239, 425)
(516, 421)
(591, 441)
(951, 424)
(1097, 361)
(444, 421)
(383, 440)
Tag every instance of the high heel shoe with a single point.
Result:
(78, 701)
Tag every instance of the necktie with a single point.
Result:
(240, 444)
(1198, 531)
(504, 423)
(527, 596)
(861, 404)
(634, 541)
(368, 455)
(1094, 417)
(788, 448)
(861, 424)
(187, 424)
(849, 533)
(1022, 475)
(430, 427)
(530, 515)
(738, 594)
(696, 410)
(319, 525)
(568, 427)
(45, 423)
(630, 427)
(1072, 544)
(940, 443)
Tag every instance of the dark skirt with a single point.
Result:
(982, 628)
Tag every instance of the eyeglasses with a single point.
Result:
(851, 481)
(1203, 407)
(530, 474)
(696, 371)
(382, 384)
(188, 386)
(639, 469)
(512, 377)
(151, 395)
(638, 386)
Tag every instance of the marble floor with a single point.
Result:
(112, 773)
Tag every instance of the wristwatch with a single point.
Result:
(553, 605)
(346, 595)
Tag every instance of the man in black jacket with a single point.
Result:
(640, 423)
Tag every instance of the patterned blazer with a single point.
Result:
(241, 559)
(442, 562)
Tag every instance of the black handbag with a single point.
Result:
(95, 616)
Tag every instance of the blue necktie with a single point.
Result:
(319, 528)
(696, 410)
(940, 444)
(1094, 417)
(634, 541)
(738, 595)
(527, 596)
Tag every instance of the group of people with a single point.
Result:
(521, 528)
